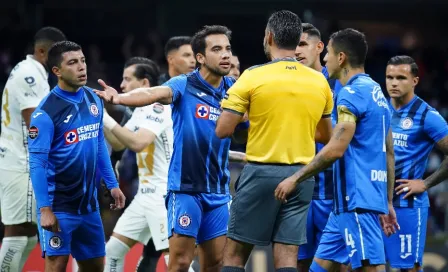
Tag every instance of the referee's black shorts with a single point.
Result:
(257, 218)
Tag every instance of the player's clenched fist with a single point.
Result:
(48, 220)
(109, 94)
(119, 199)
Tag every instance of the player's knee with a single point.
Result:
(116, 248)
(56, 263)
(179, 263)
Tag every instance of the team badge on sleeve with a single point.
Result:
(33, 132)
(94, 109)
(184, 221)
(55, 242)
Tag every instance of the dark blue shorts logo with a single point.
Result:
(184, 221)
(55, 242)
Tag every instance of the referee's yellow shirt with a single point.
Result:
(285, 101)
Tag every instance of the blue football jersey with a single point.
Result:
(416, 127)
(67, 128)
(323, 186)
(361, 174)
(200, 159)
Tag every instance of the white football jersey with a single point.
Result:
(153, 162)
(27, 85)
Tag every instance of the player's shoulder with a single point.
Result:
(156, 108)
(26, 72)
(229, 81)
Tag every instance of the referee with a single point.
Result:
(289, 107)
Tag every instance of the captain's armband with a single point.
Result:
(345, 115)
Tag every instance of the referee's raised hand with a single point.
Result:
(110, 95)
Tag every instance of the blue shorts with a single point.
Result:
(406, 247)
(199, 215)
(354, 238)
(82, 236)
(318, 214)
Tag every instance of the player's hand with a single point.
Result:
(48, 220)
(410, 187)
(110, 95)
(119, 199)
(285, 188)
(389, 222)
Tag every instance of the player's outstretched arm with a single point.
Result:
(411, 187)
(227, 122)
(137, 98)
(343, 134)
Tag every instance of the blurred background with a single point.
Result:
(111, 31)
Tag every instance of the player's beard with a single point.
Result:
(266, 50)
(216, 70)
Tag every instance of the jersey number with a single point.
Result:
(406, 245)
(147, 163)
(5, 109)
(350, 243)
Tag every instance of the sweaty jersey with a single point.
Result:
(323, 186)
(361, 173)
(68, 152)
(26, 86)
(200, 159)
(154, 160)
(416, 127)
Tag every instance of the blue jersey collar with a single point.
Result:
(355, 77)
(72, 96)
(405, 106)
(217, 90)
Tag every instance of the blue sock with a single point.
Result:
(287, 269)
(232, 269)
(315, 267)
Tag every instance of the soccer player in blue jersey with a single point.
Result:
(416, 128)
(361, 146)
(308, 53)
(68, 155)
(198, 180)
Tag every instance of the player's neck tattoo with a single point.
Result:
(345, 71)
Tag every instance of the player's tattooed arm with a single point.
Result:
(343, 134)
(412, 187)
(442, 173)
(390, 166)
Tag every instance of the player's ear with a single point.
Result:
(320, 47)
(200, 58)
(56, 71)
(270, 37)
(342, 58)
(170, 58)
(416, 80)
(145, 83)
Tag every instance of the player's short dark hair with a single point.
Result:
(311, 30)
(353, 43)
(59, 48)
(399, 60)
(144, 68)
(286, 27)
(49, 34)
(175, 43)
(198, 43)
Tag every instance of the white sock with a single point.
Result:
(11, 252)
(30, 245)
(115, 252)
(167, 258)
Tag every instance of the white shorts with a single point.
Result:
(145, 218)
(17, 201)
